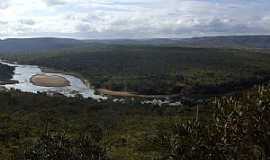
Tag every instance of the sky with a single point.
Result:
(110, 19)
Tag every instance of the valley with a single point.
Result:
(137, 100)
(149, 70)
(134, 80)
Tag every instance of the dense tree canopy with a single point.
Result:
(158, 69)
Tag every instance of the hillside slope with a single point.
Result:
(159, 70)
(229, 42)
(209, 42)
(36, 44)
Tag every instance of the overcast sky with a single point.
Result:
(133, 18)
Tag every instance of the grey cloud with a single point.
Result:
(141, 19)
(93, 17)
(29, 22)
(218, 27)
(4, 4)
(3, 22)
(84, 28)
(154, 27)
(54, 2)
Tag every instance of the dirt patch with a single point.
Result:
(132, 94)
(117, 93)
(49, 80)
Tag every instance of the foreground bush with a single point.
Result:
(238, 129)
(61, 147)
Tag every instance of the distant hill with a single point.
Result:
(228, 42)
(208, 42)
(154, 41)
(36, 44)
(30, 45)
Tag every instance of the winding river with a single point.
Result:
(23, 74)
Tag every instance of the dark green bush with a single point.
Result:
(239, 129)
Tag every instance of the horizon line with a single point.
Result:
(172, 38)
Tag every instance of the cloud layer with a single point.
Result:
(133, 18)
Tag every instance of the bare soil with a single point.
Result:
(49, 80)
(117, 93)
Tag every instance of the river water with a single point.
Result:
(23, 74)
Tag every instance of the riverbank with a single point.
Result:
(65, 84)
(131, 94)
(117, 93)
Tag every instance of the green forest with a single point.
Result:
(158, 70)
(134, 79)
(226, 115)
(6, 73)
(36, 126)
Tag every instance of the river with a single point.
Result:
(23, 74)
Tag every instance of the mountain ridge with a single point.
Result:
(29, 45)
